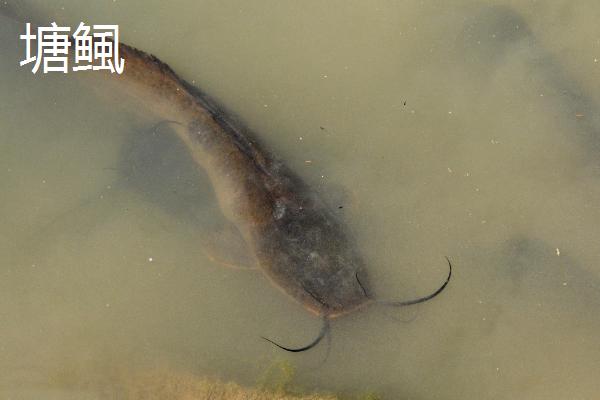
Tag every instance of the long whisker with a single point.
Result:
(401, 303)
(324, 331)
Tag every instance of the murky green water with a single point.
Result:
(464, 129)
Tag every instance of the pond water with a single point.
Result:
(463, 129)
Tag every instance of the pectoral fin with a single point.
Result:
(226, 246)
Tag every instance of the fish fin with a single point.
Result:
(226, 246)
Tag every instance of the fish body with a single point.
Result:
(296, 239)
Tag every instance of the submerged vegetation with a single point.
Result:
(277, 383)
(159, 385)
(278, 378)
(107, 380)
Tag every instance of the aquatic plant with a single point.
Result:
(278, 378)
(163, 385)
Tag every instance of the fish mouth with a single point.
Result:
(320, 307)
(357, 307)
(324, 310)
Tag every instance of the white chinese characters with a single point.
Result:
(98, 51)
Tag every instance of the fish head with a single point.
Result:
(312, 258)
(339, 283)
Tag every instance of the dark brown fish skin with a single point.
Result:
(298, 243)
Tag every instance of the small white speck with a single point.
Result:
(595, 60)
(265, 105)
(449, 170)
(564, 283)
(450, 112)
(541, 95)
(324, 76)
(494, 141)
(557, 251)
(300, 138)
(107, 305)
(150, 259)
(467, 174)
(43, 181)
